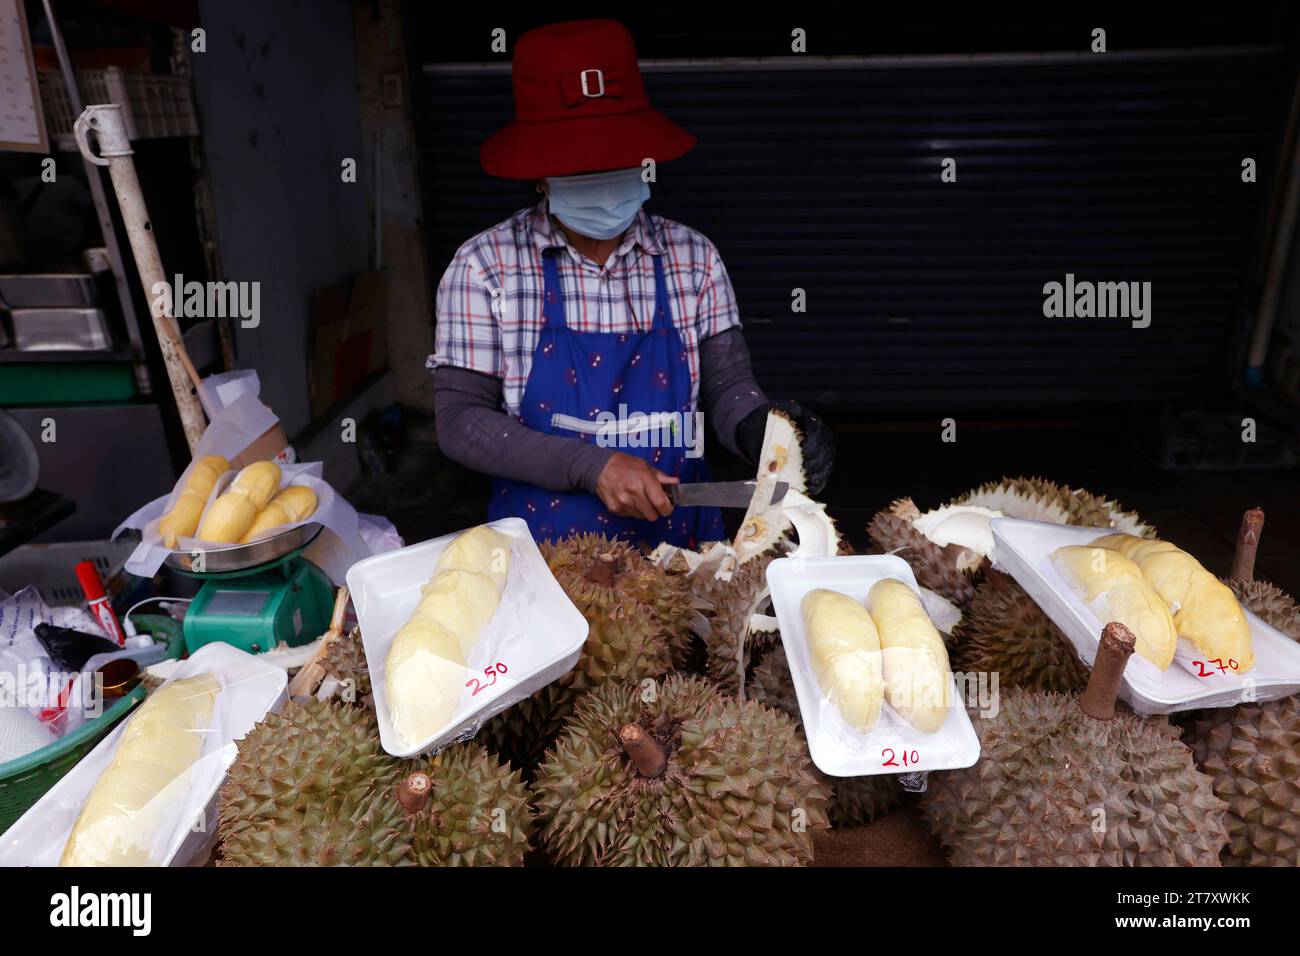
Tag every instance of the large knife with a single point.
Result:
(721, 494)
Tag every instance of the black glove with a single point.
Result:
(818, 443)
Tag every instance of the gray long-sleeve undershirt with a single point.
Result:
(474, 431)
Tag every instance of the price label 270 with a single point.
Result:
(908, 758)
(1214, 667)
(491, 672)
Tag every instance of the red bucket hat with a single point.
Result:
(580, 107)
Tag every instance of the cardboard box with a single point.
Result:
(349, 338)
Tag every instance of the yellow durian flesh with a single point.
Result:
(426, 675)
(124, 816)
(228, 519)
(462, 602)
(917, 673)
(257, 482)
(482, 550)
(184, 515)
(294, 503)
(845, 653)
(1205, 611)
(1126, 596)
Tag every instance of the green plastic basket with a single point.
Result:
(25, 780)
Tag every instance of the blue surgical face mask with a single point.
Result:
(598, 205)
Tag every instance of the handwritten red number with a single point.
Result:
(493, 671)
(910, 758)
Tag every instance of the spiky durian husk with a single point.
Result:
(891, 530)
(854, 800)
(310, 755)
(1004, 631)
(478, 814)
(737, 789)
(310, 787)
(1274, 605)
(731, 644)
(1054, 787)
(1252, 754)
(639, 581)
(625, 645)
(1081, 507)
(1014, 502)
(345, 661)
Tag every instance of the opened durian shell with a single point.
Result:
(345, 661)
(1081, 507)
(892, 531)
(854, 800)
(732, 642)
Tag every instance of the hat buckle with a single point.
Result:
(586, 87)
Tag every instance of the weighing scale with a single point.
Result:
(256, 596)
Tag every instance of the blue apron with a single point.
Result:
(577, 376)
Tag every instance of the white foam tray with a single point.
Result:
(1023, 550)
(250, 688)
(536, 632)
(893, 746)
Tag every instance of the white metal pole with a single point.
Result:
(115, 152)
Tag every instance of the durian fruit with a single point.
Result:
(183, 518)
(1081, 507)
(844, 647)
(678, 775)
(626, 641)
(731, 641)
(1270, 603)
(893, 531)
(125, 817)
(425, 670)
(1252, 754)
(1005, 632)
(579, 563)
(345, 661)
(1205, 610)
(294, 503)
(1055, 786)
(311, 787)
(918, 679)
(854, 800)
(233, 513)
(1120, 593)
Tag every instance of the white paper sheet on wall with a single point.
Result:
(22, 123)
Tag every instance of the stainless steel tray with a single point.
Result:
(47, 291)
(44, 330)
(221, 558)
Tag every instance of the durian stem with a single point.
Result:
(414, 791)
(1098, 698)
(647, 753)
(603, 570)
(1243, 559)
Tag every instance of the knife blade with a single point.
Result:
(721, 494)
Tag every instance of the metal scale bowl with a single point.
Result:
(257, 595)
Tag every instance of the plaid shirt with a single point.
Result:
(489, 313)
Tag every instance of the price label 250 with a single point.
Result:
(491, 672)
(908, 758)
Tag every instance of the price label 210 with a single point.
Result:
(908, 758)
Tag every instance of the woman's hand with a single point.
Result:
(631, 487)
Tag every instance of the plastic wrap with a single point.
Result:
(175, 825)
(534, 636)
(892, 745)
(1024, 549)
(343, 541)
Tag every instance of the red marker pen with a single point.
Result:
(97, 598)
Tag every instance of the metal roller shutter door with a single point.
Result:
(928, 295)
